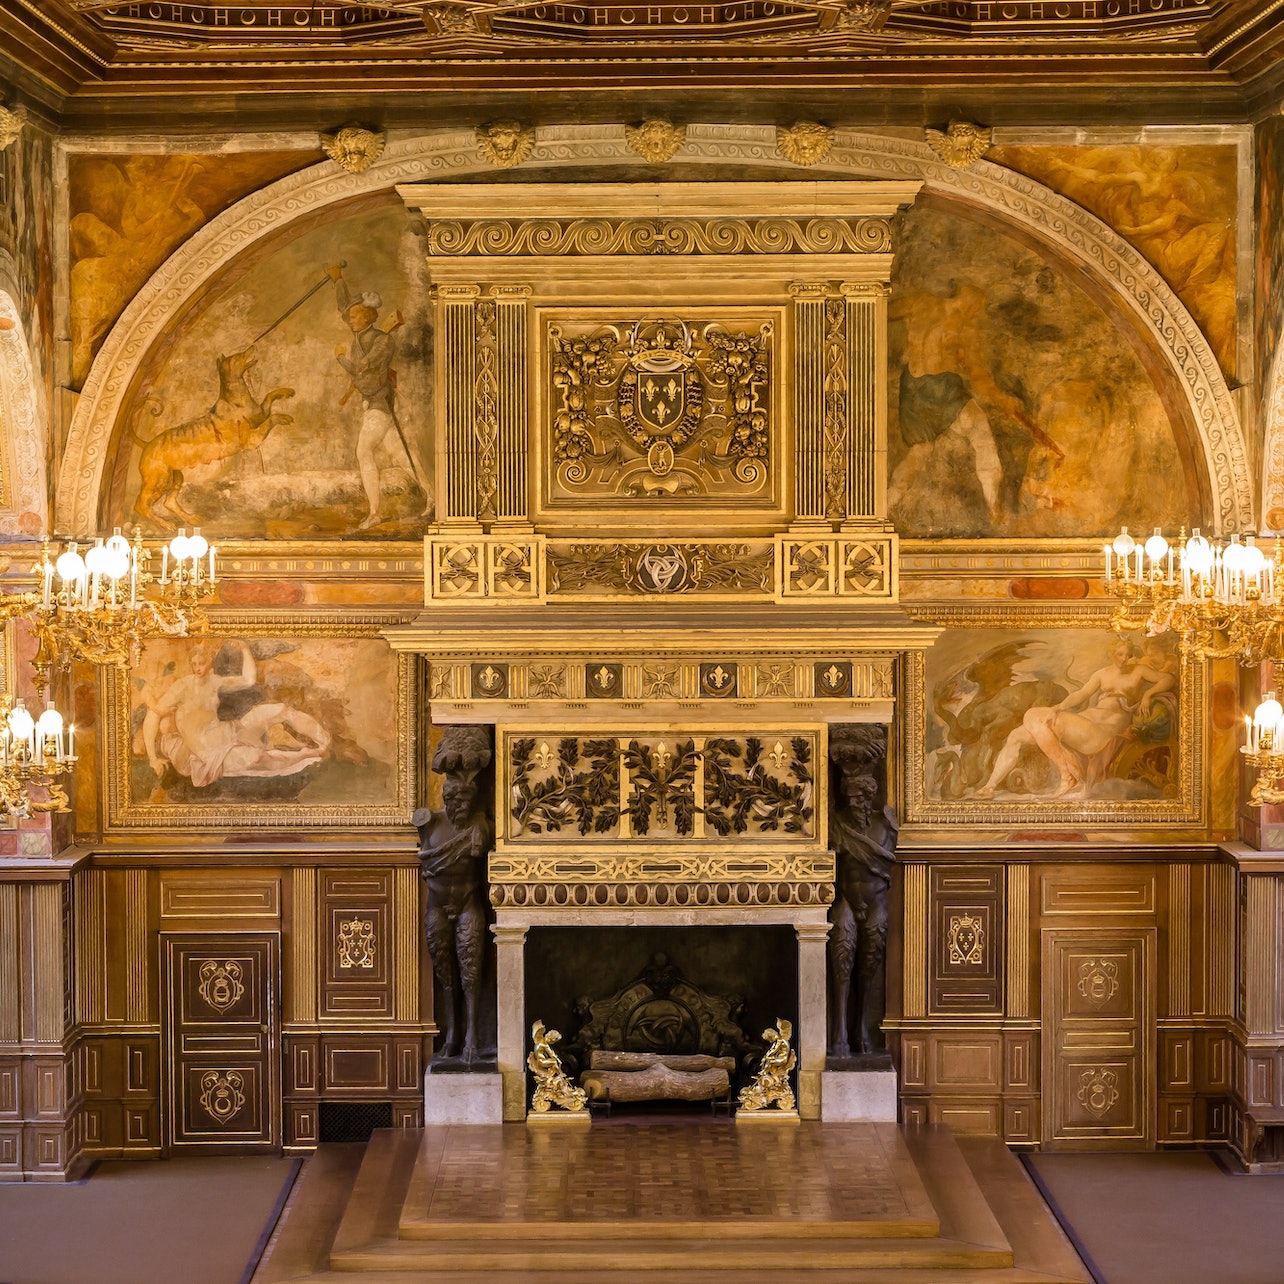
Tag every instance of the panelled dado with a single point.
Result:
(1070, 1003)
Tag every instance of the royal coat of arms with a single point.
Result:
(661, 409)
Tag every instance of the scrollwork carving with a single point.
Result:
(661, 569)
(568, 238)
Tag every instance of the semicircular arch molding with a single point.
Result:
(23, 490)
(1066, 228)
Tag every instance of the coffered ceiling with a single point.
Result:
(120, 60)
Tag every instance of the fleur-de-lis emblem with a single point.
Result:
(543, 756)
(605, 677)
(662, 757)
(778, 755)
(490, 679)
(719, 677)
(833, 675)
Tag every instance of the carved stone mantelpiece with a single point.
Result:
(700, 667)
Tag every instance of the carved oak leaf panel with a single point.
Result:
(742, 796)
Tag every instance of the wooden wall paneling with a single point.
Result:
(1222, 923)
(10, 966)
(301, 929)
(914, 957)
(1019, 931)
(407, 919)
(965, 945)
(1176, 961)
(1099, 1003)
(356, 944)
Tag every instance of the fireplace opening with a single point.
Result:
(689, 996)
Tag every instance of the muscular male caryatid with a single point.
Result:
(865, 847)
(453, 847)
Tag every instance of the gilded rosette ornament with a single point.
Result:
(770, 1087)
(961, 145)
(505, 143)
(353, 148)
(552, 1087)
(656, 141)
(806, 143)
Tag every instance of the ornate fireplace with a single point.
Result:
(661, 568)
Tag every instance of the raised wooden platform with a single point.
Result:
(707, 1203)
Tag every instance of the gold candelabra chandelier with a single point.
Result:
(35, 753)
(99, 606)
(96, 606)
(1219, 597)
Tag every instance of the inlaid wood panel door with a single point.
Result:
(1099, 1072)
(222, 1065)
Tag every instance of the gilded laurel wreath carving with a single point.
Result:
(575, 786)
(741, 795)
(562, 238)
(661, 409)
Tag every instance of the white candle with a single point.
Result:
(211, 563)
(1107, 552)
(71, 741)
(164, 579)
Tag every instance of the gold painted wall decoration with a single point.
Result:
(966, 940)
(356, 943)
(222, 1095)
(220, 984)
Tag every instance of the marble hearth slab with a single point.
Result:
(669, 1182)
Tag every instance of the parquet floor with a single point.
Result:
(844, 1179)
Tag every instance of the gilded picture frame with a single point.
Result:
(1049, 719)
(315, 729)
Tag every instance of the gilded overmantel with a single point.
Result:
(662, 361)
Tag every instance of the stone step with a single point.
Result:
(995, 1230)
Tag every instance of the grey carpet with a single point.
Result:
(198, 1221)
(1167, 1218)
